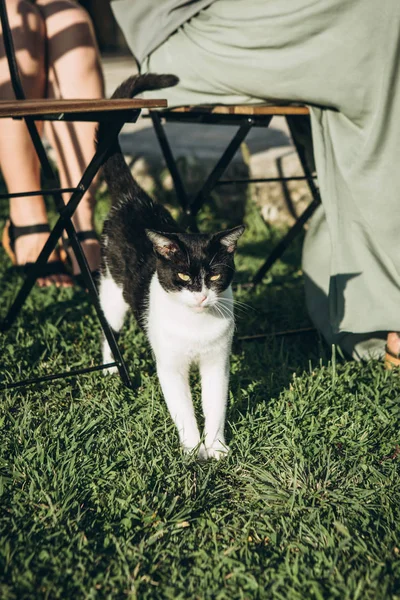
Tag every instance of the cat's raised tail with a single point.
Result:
(115, 169)
(136, 84)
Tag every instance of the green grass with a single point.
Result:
(97, 501)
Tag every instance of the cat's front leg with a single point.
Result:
(214, 371)
(174, 380)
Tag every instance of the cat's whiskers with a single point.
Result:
(187, 256)
(243, 307)
(226, 313)
(225, 309)
(219, 311)
(212, 260)
(238, 306)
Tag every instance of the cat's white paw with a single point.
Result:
(200, 451)
(110, 371)
(217, 450)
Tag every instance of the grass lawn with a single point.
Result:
(97, 501)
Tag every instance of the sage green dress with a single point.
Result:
(342, 58)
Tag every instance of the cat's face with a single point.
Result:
(197, 268)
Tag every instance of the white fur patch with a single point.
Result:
(181, 335)
(184, 328)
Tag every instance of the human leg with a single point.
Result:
(316, 263)
(72, 49)
(18, 159)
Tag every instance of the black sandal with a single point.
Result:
(10, 235)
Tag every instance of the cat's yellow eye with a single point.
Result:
(183, 277)
(215, 277)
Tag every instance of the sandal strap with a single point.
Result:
(55, 267)
(87, 235)
(82, 236)
(16, 231)
(392, 353)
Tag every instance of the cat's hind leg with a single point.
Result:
(114, 308)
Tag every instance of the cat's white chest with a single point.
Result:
(175, 328)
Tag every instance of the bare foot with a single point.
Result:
(393, 343)
(392, 357)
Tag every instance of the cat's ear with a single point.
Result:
(163, 244)
(229, 238)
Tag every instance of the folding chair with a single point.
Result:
(116, 113)
(244, 117)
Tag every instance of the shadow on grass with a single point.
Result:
(58, 328)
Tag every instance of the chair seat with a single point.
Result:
(26, 108)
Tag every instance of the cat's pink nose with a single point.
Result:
(202, 299)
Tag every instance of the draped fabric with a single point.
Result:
(342, 59)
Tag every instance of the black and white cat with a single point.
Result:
(178, 286)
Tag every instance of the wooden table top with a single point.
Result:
(22, 108)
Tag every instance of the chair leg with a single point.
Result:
(191, 209)
(221, 166)
(170, 160)
(91, 287)
(281, 247)
(302, 154)
(64, 222)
